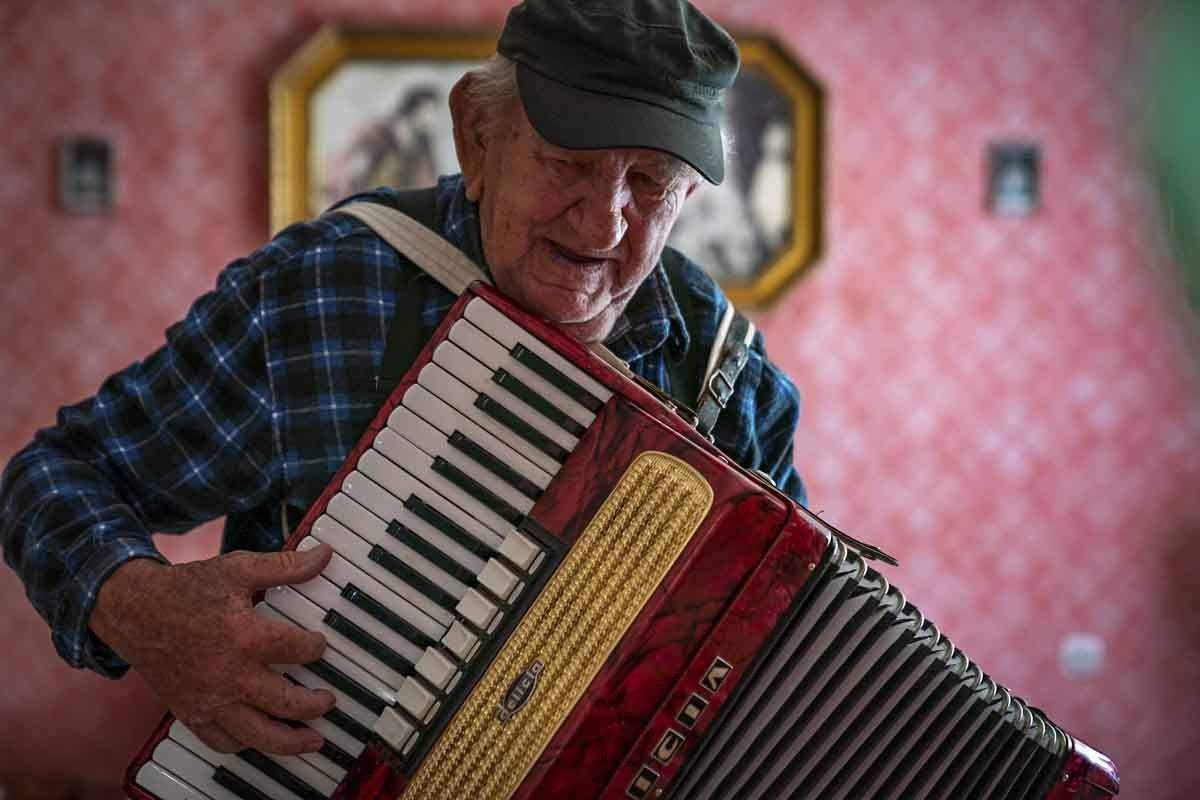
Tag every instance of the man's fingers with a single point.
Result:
(215, 738)
(264, 570)
(253, 728)
(278, 642)
(279, 697)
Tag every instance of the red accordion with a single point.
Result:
(547, 584)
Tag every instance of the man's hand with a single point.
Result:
(191, 632)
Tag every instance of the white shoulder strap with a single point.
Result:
(448, 265)
(444, 262)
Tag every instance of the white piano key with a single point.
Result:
(339, 571)
(460, 641)
(448, 420)
(495, 356)
(345, 704)
(478, 611)
(417, 700)
(467, 369)
(412, 460)
(376, 493)
(355, 549)
(398, 732)
(434, 443)
(401, 485)
(336, 735)
(307, 614)
(440, 671)
(327, 595)
(508, 333)
(364, 678)
(499, 581)
(177, 761)
(331, 770)
(520, 551)
(462, 398)
(167, 785)
(363, 521)
(250, 774)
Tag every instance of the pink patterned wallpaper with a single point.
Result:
(1011, 406)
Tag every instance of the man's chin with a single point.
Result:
(591, 331)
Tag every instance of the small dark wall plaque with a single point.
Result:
(1014, 178)
(86, 174)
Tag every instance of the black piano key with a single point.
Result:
(413, 578)
(441, 522)
(547, 372)
(328, 749)
(349, 724)
(535, 401)
(233, 783)
(370, 605)
(347, 686)
(497, 467)
(337, 755)
(368, 642)
(477, 490)
(430, 552)
(280, 775)
(496, 410)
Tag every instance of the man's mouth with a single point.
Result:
(575, 257)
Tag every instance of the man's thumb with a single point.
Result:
(291, 566)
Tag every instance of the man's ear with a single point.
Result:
(469, 141)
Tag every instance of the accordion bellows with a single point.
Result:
(547, 584)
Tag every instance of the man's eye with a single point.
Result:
(648, 184)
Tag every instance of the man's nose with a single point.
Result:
(601, 221)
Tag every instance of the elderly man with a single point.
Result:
(579, 144)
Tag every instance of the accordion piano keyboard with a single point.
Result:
(427, 557)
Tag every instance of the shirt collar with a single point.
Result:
(651, 319)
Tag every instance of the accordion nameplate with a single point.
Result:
(568, 633)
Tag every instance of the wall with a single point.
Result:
(1009, 406)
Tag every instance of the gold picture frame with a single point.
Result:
(354, 108)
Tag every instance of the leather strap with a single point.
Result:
(729, 354)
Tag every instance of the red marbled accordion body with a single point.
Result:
(722, 598)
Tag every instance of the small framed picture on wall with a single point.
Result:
(86, 172)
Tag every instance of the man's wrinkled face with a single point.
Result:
(571, 234)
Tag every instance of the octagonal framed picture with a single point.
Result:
(356, 108)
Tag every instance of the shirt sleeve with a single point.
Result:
(166, 444)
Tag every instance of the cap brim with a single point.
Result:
(580, 120)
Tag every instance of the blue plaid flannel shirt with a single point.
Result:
(260, 392)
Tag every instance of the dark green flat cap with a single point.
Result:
(624, 73)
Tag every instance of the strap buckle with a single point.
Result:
(720, 394)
